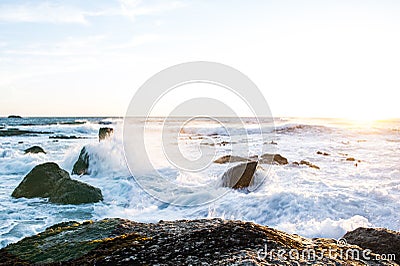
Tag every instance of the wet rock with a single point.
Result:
(350, 159)
(48, 180)
(40, 182)
(35, 149)
(379, 240)
(303, 162)
(239, 176)
(105, 133)
(323, 153)
(68, 191)
(184, 242)
(81, 166)
(230, 159)
(273, 158)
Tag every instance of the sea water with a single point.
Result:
(342, 195)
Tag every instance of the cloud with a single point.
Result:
(48, 12)
(42, 12)
(134, 8)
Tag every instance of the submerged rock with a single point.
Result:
(81, 166)
(48, 180)
(231, 159)
(35, 149)
(273, 158)
(65, 137)
(16, 132)
(379, 240)
(184, 242)
(303, 162)
(239, 176)
(105, 133)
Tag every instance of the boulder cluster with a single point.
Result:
(48, 180)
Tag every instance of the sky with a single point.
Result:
(309, 58)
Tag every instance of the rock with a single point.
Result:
(70, 191)
(48, 180)
(239, 176)
(81, 166)
(40, 182)
(350, 159)
(224, 143)
(302, 162)
(196, 242)
(16, 132)
(379, 240)
(273, 158)
(323, 153)
(14, 116)
(105, 133)
(231, 159)
(35, 149)
(65, 137)
(105, 122)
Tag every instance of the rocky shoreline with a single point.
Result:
(185, 242)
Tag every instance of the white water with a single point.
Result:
(296, 199)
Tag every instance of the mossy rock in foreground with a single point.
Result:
(64, 242)
(184, 242)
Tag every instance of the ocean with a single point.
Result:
(340, 196)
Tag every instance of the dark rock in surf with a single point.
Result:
(303, 162)
(231, 159)
(378, 240)
(105, 122)
(273, 158)
(239, 176)
(65, 137)
(40, 182)
(14, 117)
(48, 180)
(81, 166)
(323, 153)
(105, 133)
(35, 150)
(16, 132)
(69, 191)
